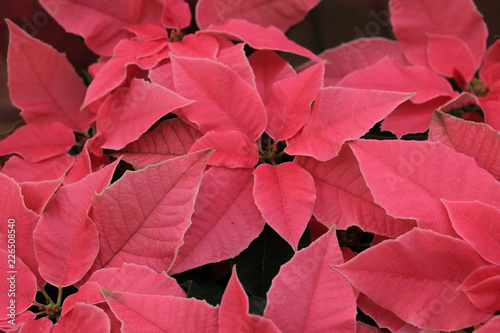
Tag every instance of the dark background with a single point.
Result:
(328, 25)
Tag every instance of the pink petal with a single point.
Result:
(259, 38)
(492, 56)
(285, 203)
(176, 14)
(83, 318)
(129, 112)
(269, 68)
(233, 149)
(490, 109)
(196, 46)
(36, 195)
(36, 142)
(49, 169)
(151, 313)
(163, 76)
(40, 325)
(143, 216)
(65, 239)
(43, 84)
(225, 220)
(281, 13)
(418, 281)
(413, 22)
(491, 326)
(483, 287)
(364, 328)
(208, 82)
(289, 103)
(171, 138)
(383, 317)
(407, 178)
(344, 199)
(476, 140)
(235, 57)
(307, 296)
(341, 114)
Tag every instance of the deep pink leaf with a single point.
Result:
(388, 75)
(129, 112)
(176, 14)
(48, 169)
(483, 287)
(208, 82)
(102, 23)
(36, 142)
(148, 31)
(492, 56)
(285, 195)
(196, 46)
(143, 216)
(408, 179)
(233, 149)
(341, 114)
(491, 326)
(364, 328)
(289, 104)
(36, 195)
(225, 219)
(40, 325)
(151, 313)
(413, 21)
(416, 276)
(18, 284)
(65, 239)
(477, 223)
(259, 38)
(307, 296)
(490, 109)
(82, 166)
(383, 317)
(163, 76)
(268, 68)
(43, 84)
(235, 57)
(21, 319)
(83, 318)
(279, 13)
(476, 140)
(344, 199)
(171, 138)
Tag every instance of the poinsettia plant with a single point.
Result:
(199, 183)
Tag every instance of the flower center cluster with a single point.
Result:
(476, 87)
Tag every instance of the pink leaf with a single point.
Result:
(269, 68)
(289, 103)
(476, 140)
(48, 169)
(36, 195)
(36, 142)
(83, 318)
(396, 171)
(281, 13)
(383, 317)
(344, 199)
(285, 195)
(364, 328)
(233, 149)
(307, 296)
(491, 57)
(235, 57)
(171, 138)
(414, 21)
(176, 14)
(143, 216)
(491, 326)
(341, 114)
(416, 276)
(40, 325)
(163, 76)
(208, 82)
(65, 239)
(151, 313)
(102, 24)
(43, 84)
(477, 223)
(133, 110)
(196, 46)
(225, 219)
(259, 38)
(482, 287)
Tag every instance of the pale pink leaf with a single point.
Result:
(343, 199)
(36, 142)
(129, 112)
(176, 14)
(289, 104)
(482, 287)
(208, 82)
(171, 138)
(475, 140)
(43, 84)
(307, 296)
(341, 114)
(413, 22)
(36, 195)
(416, 276)
(225, 220)
(83, 318)
(74, 241)
(269, 38)
(408, 179)
(143, 216)
(151, 313)
(279, 13)
(491, 326)
(285, 195)
(48, 169)
(477, 223)
(233, 149)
